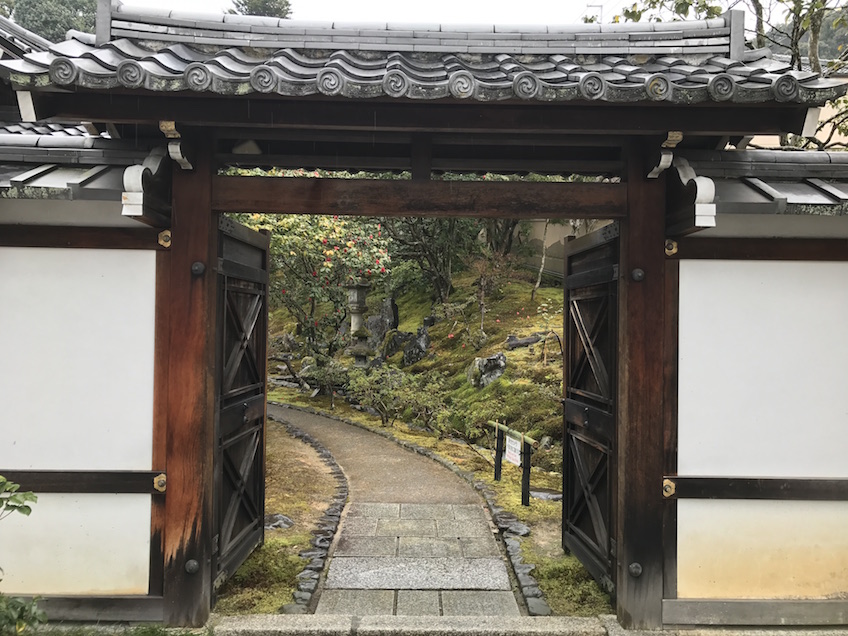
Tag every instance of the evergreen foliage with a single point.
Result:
(270, 8)
(52, 19)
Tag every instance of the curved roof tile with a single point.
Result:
(679, 62)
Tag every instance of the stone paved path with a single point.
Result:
(414, 540)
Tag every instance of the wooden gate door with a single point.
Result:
(589, 428)
(240, 396)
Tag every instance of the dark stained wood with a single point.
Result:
(755, 612)
(240, 396)
(107, 609)
(82, 481)
(670, 381)
(589, 371)
(190, 435)
(760, 488)
(442, 117)
(419, 198)
(640, 426)
(763, 249)
(140, 238)
(160, 417)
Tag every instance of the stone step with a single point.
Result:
(337, 625)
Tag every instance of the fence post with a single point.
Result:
(499, 450)
(526, 452)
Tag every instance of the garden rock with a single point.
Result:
(395, 341)
(416, 349)
(484, 371)
(277, 521)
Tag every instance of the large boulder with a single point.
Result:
(395, 341)
(381, 324)
(484, 371)
(416, 349)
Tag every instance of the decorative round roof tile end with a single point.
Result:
(330, 81)
(721, 87)
(63, 71)
(396, 84)
(130, 74)
(263, 79)
(593, 86)
(526, 85)
(658, 87)
(785, 88)
(462, 84)
(197, 77)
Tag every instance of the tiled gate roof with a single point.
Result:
(678, 62)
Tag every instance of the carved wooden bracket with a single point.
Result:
(147, 187)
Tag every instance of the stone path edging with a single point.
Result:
(511, 529)
(307, 579)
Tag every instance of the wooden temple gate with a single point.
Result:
(492, 111)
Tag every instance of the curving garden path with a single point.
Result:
(414, 539)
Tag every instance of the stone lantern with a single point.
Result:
(356, 295)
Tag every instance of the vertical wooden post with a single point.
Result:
(640, 430)
(191, 399)
(526, 453)
(499, 451)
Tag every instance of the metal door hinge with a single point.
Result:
(669, 488)
(160, 482)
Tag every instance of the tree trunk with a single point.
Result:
(761, 33)
(544, 256)
(816, 20)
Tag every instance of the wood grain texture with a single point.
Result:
(670, 380)
(161, 389)
(140, 238)
(190, 434)
(419, 198)
(319, 113)
(760, 488)
(80, 481)
(640, 429)
(107, 609)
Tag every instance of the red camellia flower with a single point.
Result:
(450, 335)
(314, 273)
(284, 291)
(324, 241)
(382, 270)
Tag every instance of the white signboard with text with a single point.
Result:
(513, 451)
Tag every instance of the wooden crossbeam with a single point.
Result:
(360, 197)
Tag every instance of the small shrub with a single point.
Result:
(17, 614)
(380, 389)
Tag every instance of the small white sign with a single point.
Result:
(513, 451)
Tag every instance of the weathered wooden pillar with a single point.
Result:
(190, 406)
(640, 432)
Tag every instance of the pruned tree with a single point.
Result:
(270, 8)
(52, 19)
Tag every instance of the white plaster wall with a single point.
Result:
(763, 385)
(78, 544)
(76, 359)
(762, 549)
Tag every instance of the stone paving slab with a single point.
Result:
(405, 527)
(383, 625)
(462, 528)
(474, 548)
(426, 511)
(466, 511)
(357, 602)
(374, 573)
(418, 603)
(378, 510)
(429, 547)
(362, 546)
(359, 526)
(483, 603)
